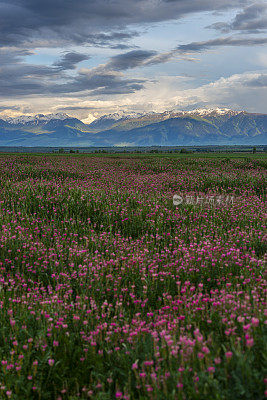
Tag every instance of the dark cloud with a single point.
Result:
(29, 24)
(122, 46)
(38, 23)
(252, 19)
(112, 40)
(131, 87)
(3, 108)
(11, 56)
(161, 57)
(96, 82)
(131, 59)
(87, 86)
(138, 58)
(223, 27)
(18, 78)
(70, 60)
(224, 41)
(258, 82)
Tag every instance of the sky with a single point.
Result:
(87, 58)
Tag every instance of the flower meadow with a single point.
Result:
(110, 291)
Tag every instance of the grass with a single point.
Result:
(108, 290)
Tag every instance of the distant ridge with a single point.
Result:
(204, 126)
(36, 119)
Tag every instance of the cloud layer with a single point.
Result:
(252, 19)
(66, 53)
(51, 22)
(222, 41)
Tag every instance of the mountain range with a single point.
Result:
(178, 128)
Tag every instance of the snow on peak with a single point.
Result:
(168, 114)
(210, 112)
(36, 119)
(120, 115)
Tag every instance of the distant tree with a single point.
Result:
(254, 150)
(61, 151)
(185, 151)
(72, 151)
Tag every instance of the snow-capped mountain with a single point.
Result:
(122, 115)
(108, 120)
(36, 119)
(129, 120)
(206, 126)
(210, 112)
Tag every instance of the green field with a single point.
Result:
(108, 290)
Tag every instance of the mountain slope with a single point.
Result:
(178, 128)
(188, 129)
(169, 132)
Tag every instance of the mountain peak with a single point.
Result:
(120, 115)
(208, 126)
(210, 112)
(35, 119)
(108, 121)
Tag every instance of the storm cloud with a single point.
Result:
(130, 60)
(18, 78)
(107, 50)
(36, 23)
(70, 60)
(252, 19)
